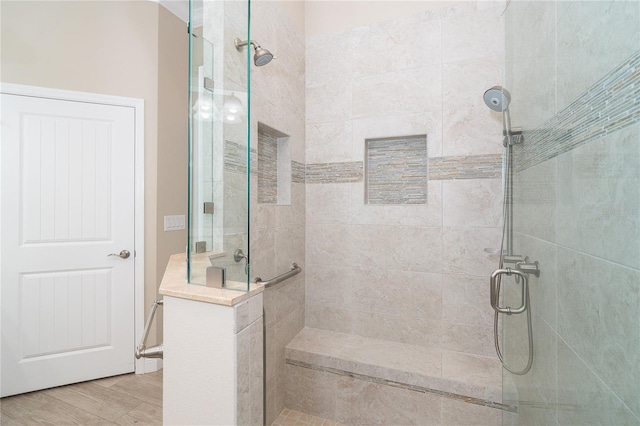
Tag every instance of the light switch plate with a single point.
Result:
(174, 223)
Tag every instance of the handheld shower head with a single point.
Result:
(497, 98)
(261, 56)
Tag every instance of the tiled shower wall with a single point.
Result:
(411, 273)
(573, 69)
(278, 230)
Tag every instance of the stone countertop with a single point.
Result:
(174, 283)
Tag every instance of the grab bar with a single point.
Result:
(154, 351)
(295, 270)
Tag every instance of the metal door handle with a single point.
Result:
(495, 297)
(124, 254)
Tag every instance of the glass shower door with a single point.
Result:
(219, 137)
(573, 69)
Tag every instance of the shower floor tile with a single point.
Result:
(297, 418)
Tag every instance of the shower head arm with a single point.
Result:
(240, 44)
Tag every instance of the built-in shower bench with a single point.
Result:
(321, 363)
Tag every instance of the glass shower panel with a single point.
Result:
(219, 149)
(573, 69)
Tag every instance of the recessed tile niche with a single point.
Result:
(274, 166)
(396, 170)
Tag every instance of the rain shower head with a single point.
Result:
(261, 56)
(497, 98)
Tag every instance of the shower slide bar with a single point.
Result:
(295, 270)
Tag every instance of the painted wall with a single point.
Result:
(570, 69)
(113, 48)
(410, 273)
(173, 68)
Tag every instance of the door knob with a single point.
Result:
(124, 254)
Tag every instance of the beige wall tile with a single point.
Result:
(465, 300)
(409, 91)
(329, 142)
(310, 391)
(461, 413)
(335, 319)
(463, 250)
(466, 36)
(399, 44)
(599, 192)
(472, 202)
(606, 339)
(360, 402)
(469, 127)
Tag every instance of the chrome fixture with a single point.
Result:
(261, 56)
(208, 84)
(494, 289)
(216, 277)
(497, 98)
(295, 270)
(522, 270)
(238, 255)
(154, 351)
(124, 254)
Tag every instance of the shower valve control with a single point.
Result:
(528, 267)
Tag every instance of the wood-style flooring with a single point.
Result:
(129, 399)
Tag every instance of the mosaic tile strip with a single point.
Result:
(334, 172)
(440, 168)
(297, 172)
(466, 167)
(609, 105)
(422, 389)
(396, 170)
(267, 168)
(235, 158)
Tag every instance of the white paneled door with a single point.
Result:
(67, 179)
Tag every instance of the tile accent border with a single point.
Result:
(440, 168)
(466, 167)
(377, 380)
(346, 172)
(297, 172)
(488, 166)
(611, 104)
(235, 157)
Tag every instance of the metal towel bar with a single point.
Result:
(295, 270)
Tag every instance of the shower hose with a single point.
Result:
(508, 188)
